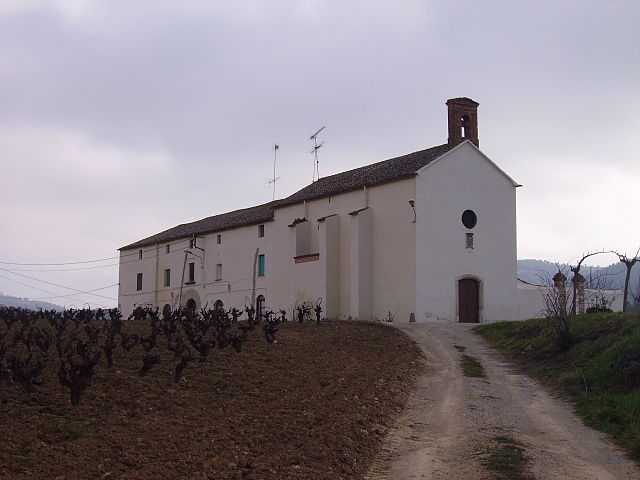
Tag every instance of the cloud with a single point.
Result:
(121, 119)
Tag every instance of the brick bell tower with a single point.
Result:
(463, 121)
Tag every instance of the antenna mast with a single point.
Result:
(314, 150)
(274, 179)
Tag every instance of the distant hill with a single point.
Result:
(10, 301)
(529, 270)
(533, 271)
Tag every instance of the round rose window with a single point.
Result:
(469, 219)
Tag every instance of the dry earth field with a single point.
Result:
(315, 405)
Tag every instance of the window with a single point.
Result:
(167, 277)
(218, 305)
(219, 239)
(469, 219)
(168, 248)
(466, 126)
(192, 243)
(303, 238)
(261, 265)
(140, 254)
(139, 282)
(219, 271)
(261, 230)
(192, 272)
(469, 240)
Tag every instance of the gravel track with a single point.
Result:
(450, 420)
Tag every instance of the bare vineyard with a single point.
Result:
(76, 341)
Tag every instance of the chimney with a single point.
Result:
(463, 121)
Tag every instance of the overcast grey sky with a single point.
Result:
(121, 119)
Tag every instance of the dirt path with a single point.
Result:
(451, 420)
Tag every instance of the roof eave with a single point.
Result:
(367, 185)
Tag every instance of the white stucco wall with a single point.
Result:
(369, 263)
(531, 299)
(385, 248)
(364, 264)
(465, 179)
(236, 253)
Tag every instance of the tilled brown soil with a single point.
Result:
(315, 405)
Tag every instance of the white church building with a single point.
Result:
(426, 236)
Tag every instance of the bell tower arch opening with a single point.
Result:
(463, 121)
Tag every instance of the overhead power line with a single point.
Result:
(62, 263)
(54, 294)
(62, 269)
(27, 285)
(73, 294)
(55, 284)
(56, 264)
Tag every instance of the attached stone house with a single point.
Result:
(427, 236)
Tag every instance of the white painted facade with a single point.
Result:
(368, 263)
(465, 179)
(235, 253)
(345, 275)
(360, 248)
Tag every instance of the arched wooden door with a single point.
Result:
(191, 306)
(469, 300)
(260, 304)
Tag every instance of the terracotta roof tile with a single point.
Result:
(369, 175)
(216, 223)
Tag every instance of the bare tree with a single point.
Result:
(557, 310)
(628, 263)
(561, 306)
(576, 271)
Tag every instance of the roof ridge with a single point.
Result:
(381, 162)
(384, 171)
(229, 213)
(367, 175)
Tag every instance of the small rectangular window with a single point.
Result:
(219, 239)
(140, 254)
(139, 282)
(219, 271)
(261, 265)
(192, 272)
(469, 240)
(167, 277)
(168, 248)
(192, 243)
(260, 231)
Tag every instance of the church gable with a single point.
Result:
(427, 235)
(470, 156)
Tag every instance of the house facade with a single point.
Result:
(426, 236)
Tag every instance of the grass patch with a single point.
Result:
(472, 367)
(600, 372)
(507, 459)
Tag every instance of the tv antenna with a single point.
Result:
(314, 150)
(274, 179)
